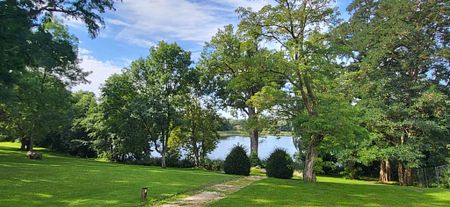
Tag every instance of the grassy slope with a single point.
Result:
(333, 192)
(65, 181)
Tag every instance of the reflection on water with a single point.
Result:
(266, 146)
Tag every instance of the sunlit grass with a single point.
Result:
(333, 192)
(66, 181)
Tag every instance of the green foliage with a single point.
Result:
(310, 70)
(232, 68)
(198, 132)
(400, 75)
(39, 61)
(280, 165)
(81, 143)
(337, 120)
(146, 98)
(237, 162)
(43, 111)
(213, 165)
(444, 180)
(33, 36)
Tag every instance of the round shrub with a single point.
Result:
(280, 165)
(237, 162)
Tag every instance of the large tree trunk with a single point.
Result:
(23, 144)
(26, 144)
(311, 154)
(254, 133)
(254, 141)
(163, 158)
(163, 151)
(385, 171)
(196, 153)
(30, 144)
(351, 166)
(404, 174)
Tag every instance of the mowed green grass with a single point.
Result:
(66, 181)
(333, 192)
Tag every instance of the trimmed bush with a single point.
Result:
(254, 160)
(237, 162)
(280, 165)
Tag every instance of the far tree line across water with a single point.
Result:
(371, 89)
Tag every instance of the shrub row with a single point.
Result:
(279, 164)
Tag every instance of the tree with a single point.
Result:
(311, 69)
(147, 98)
(198, 134)
(44, 108)
(121, 135)
(234, 68)
(25, 35)
(84, 104)
(162, 80)
(36, 43)
(399, 52)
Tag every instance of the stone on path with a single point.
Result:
(214, 193)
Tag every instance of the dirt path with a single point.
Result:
(214, 193)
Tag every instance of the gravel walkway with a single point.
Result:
(214, 193)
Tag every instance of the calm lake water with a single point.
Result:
(266, 145)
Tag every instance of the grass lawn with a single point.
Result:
(66, 181)
(333, 192)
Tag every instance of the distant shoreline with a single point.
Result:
(225, 134)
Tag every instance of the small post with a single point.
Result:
(144, 193)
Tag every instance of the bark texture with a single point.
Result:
(254, 141)
(308, 173)
(385, 171)
(404, 174)
(254, 133)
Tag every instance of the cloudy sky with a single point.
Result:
(136, 25)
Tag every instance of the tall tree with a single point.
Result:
(43, 109)
(84, 104)
(25, 38)
(36, 43)
(235, 67)
(399, 54)
(198, 133)
(296, 26)
(120, 134)
(162, 80)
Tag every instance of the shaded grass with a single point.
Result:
(66, 181)
(333, 192)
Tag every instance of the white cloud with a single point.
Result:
(101, 70)
(144, 22)
(133, 40)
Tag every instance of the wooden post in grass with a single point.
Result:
(144, 192)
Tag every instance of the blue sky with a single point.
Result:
(136, 25)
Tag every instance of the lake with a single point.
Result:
(267, 144)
